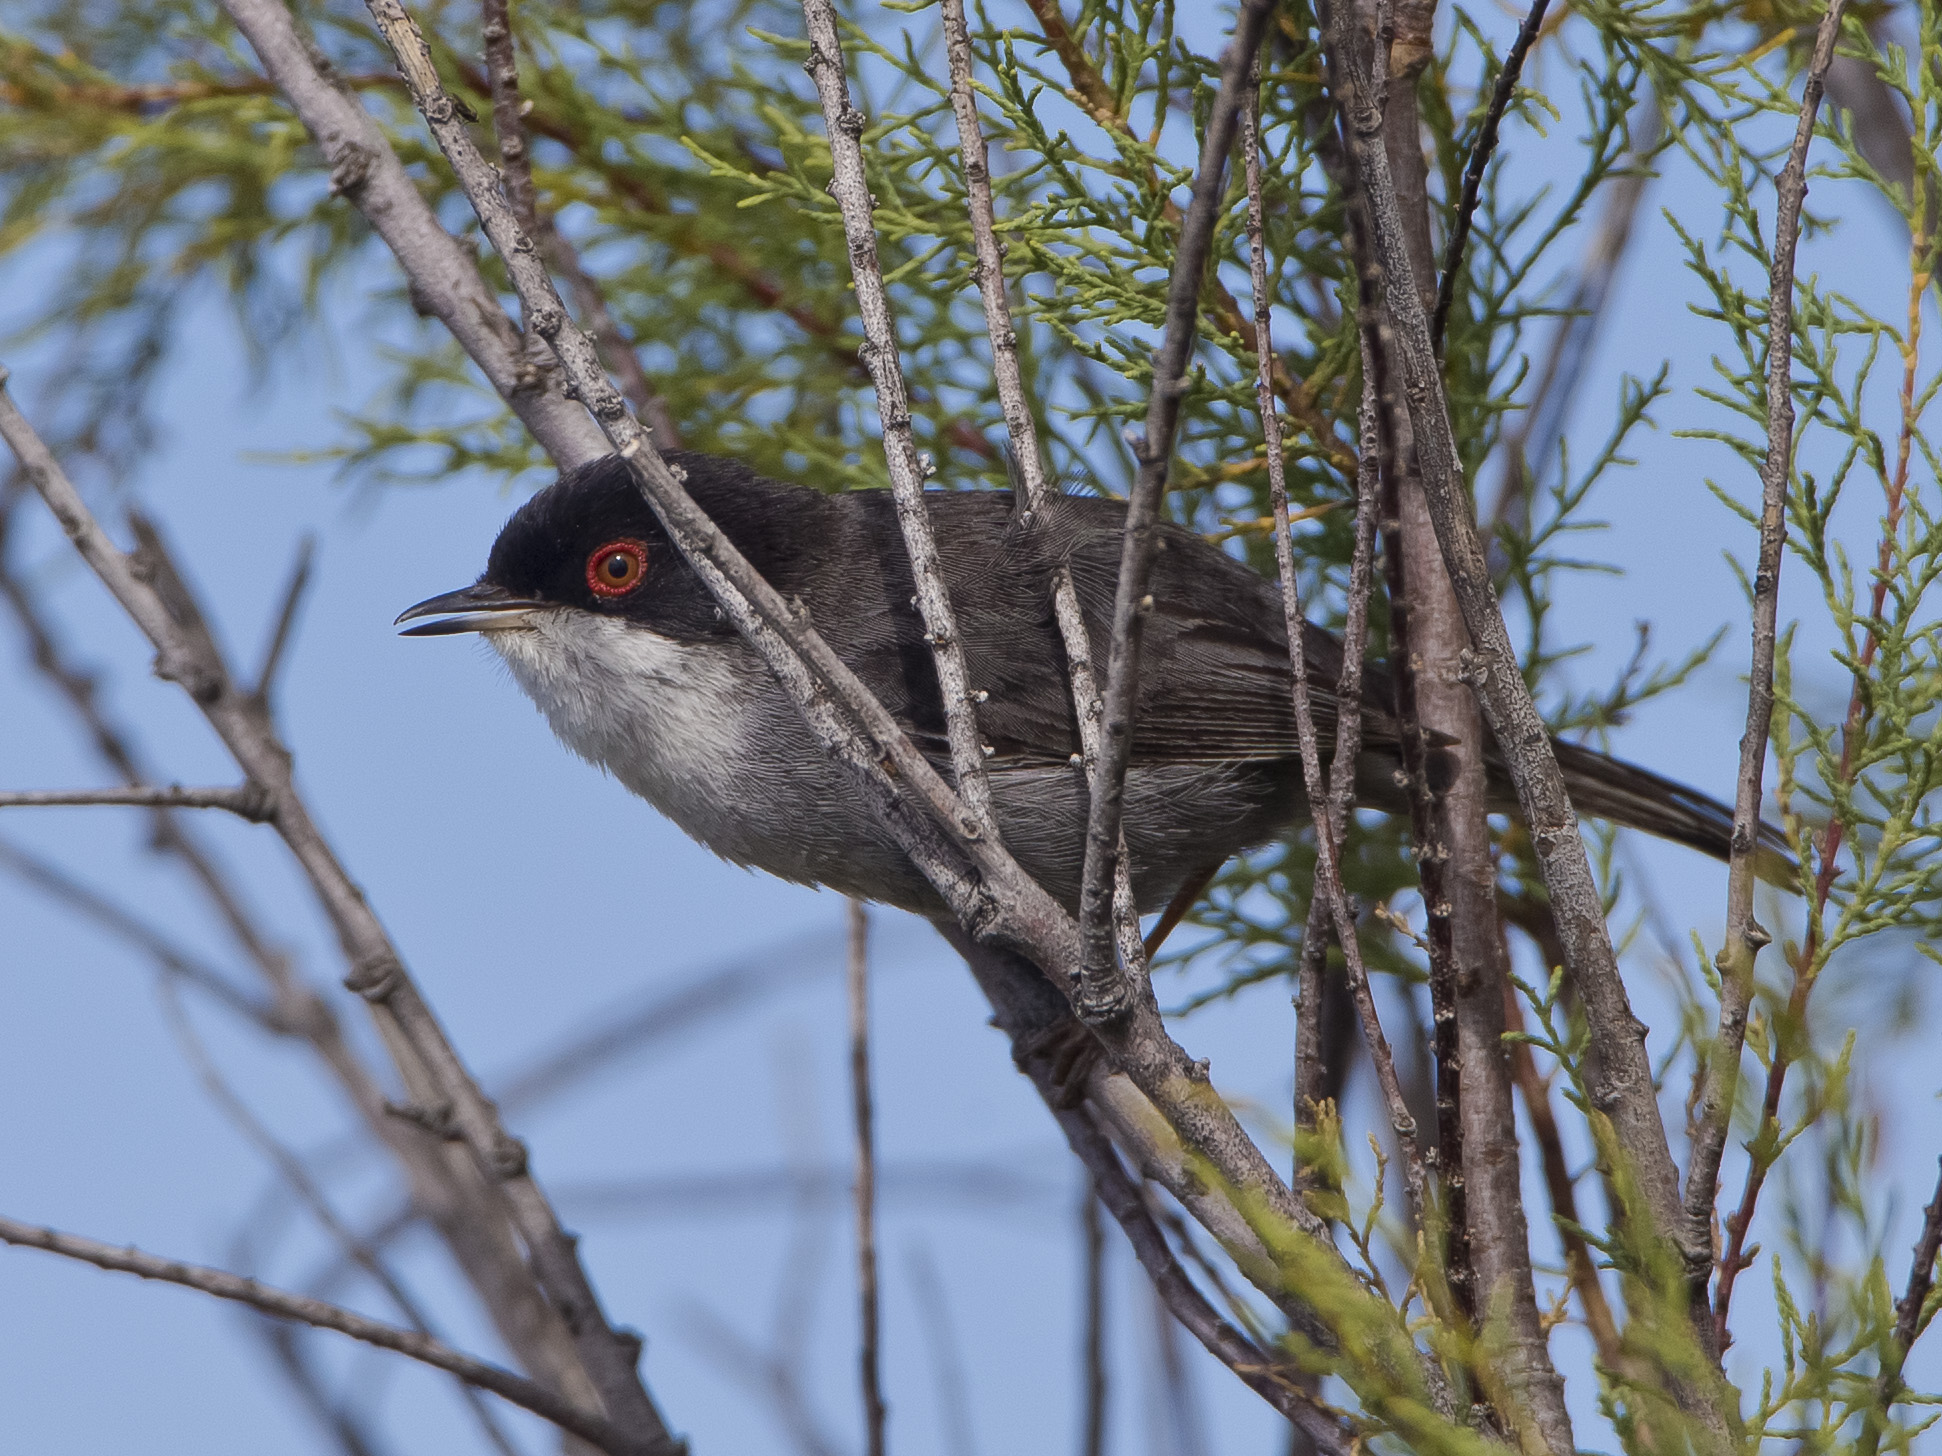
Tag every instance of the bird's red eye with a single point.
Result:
(616, 568)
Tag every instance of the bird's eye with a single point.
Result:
(616, 568)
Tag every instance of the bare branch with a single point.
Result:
(516, 169)
(367, 173)
(286, 618)
(290, 1168)
(246, 801)
(1744, 935)
(1092, 1437)
(1623, 1089)
(187, 656)
(1473, 173)
(1328, 841)
(282, 1304)
(851, 189)
(869, 1308)
(981, 884)
(989, 274)
(1104, 993)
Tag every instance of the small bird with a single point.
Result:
(614, 637)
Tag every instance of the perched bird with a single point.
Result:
(615, 638)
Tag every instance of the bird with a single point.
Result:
(610, 632)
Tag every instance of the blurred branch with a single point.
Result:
(1092, 1340)
(1744, 935)
(515, 1389)
(947, 1360)
(286, 619)
(246, 801)
(187, 655)
(869, 1307)
(290, 1168)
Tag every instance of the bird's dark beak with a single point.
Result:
(481, 607)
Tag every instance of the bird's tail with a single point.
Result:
(1607, 788)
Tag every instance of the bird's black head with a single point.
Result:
(590, 542)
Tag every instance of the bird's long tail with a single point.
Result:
(1608, 788)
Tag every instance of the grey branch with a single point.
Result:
(851, 189)
(247, 801)
(863, 1118)
(367, 173)
(282, 1304)
(188, 657)
(1328, 829)
(1104, 992)
(1744, 935)
(1622, 1073)
(1020, 425)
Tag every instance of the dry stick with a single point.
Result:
(1623, 1089)
(869, 1309)
(989, 274)
(1479, 163)
(444, 1180)
(1328, 842)
(293, 1172)
(1311, 1060)
(851, 189)
(245, 801)
(516, 168)
(1764, 1149)
(992, 897)
(516, 1389)
(1092, 1343)
(1104, 993)
(378, 973)
(1744, 935)
(445, 280)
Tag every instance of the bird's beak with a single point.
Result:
(481, 607)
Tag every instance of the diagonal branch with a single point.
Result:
(989, 274)
(527, 1394)
(1744, 935)
(186, 654)
(851, 189)
(1104, 993)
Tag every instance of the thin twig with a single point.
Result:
(1092, 1338)
(1473, 173)
(1022, 429)
(1104, 994)
(1328, 843)
(286, 618)
(851, 188)
(245, 801)
(187, 655)
(516, 168)
(869, 1307)
(516, 1389)
(1744, 935)
(366, 172)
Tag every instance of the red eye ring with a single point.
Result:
(616, 568)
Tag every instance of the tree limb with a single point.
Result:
(245, 801)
